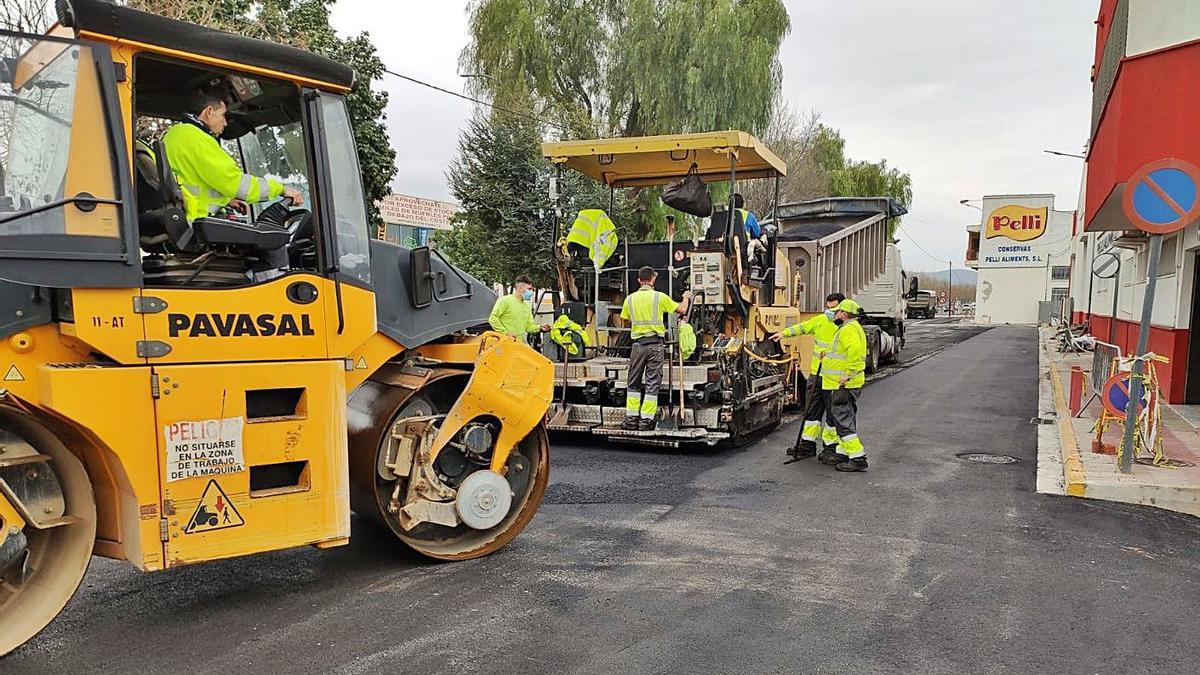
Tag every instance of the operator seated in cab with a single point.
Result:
(749, 237)
(210, 179)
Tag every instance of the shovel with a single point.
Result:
(560, 413)
(671, 422)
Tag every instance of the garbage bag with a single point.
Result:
(689, 194)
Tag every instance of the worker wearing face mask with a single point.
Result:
(822, 327)
(843, 374)
(512, 313)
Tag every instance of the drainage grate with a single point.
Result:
(987, 458)
(1041, 420)
(1168, 463)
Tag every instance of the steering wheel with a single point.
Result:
(302, 244)
(277, 214)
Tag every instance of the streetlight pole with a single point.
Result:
(1064, 154)
(950, 293)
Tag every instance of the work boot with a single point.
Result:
(630, 424)
(647, 424)
(803, 450)
(831, 457)
(856, 464)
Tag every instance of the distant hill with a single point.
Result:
(968, 277)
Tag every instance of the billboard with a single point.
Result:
(1015, 231)
(416, 212)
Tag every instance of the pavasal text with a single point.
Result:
(239, 325)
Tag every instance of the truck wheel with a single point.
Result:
(873, 359)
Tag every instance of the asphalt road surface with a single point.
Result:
(652, 562)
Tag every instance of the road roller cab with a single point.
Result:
(168, 395)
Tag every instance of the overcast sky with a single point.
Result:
(962, 95)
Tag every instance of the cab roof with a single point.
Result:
(106, 20)
(657, 160)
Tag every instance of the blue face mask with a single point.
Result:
(527, 295)
(830, 314)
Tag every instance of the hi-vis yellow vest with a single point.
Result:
(563, 332)
(822, 330)
(208, 176)
(847, 358)
(644, 308)
(594, 230)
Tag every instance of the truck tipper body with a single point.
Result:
(843, 245)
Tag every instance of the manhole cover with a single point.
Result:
(987, 458)
(1168, 462)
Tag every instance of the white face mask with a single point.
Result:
(830, 314)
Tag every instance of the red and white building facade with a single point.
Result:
(1146, 88)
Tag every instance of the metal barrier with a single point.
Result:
(1102, 360)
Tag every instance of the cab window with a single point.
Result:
(55, 178)
(277, 153)
(349, 205)
(239, 231)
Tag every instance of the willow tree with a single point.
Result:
(630, 67)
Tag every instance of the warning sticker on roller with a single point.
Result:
(214, 512)
(204, 448)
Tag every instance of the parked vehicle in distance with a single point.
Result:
(923, 305)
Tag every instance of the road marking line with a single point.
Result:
(1076, 481)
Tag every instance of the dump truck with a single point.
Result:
(736, 384)
(160, 405)
(842, 244)
(923, 305)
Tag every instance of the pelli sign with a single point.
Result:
(1019, 223)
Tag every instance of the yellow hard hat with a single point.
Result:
(849, 306)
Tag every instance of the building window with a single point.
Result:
(1057, 294)
(1060, 272)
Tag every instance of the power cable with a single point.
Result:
(472, 99)
(918, 244)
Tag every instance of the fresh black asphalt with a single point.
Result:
(725, 562)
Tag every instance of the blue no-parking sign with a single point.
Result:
(1163, 196)
(1115, 395)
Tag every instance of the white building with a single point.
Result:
(1022, 250)
(1146, 80)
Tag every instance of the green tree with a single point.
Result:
(872, 179)
(305, 24)
(501, 181)
(631, 67)
(505, 227)
(818, 167)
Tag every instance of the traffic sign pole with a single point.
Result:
(1135, 380)
(1160, 198)
(1116, 291)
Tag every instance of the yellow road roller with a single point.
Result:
(168, 399)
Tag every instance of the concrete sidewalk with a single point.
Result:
(1067, 465)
